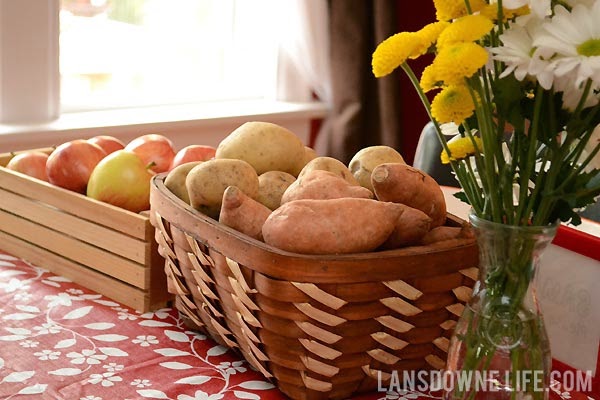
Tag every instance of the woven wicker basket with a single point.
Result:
(321, 327)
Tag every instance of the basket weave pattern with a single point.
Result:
(322, 327)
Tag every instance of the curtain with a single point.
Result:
(364, 109)
(326, 49)
(303, 60)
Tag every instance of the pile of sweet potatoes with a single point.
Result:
(265, 183)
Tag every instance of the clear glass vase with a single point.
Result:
(500, 349)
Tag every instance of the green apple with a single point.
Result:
(123, 180)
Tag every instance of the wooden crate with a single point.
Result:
(107, 249)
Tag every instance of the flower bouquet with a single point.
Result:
(520, 82)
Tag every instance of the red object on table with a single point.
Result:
(59, 340)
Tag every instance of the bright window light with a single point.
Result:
(128, 53)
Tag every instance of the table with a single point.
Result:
(59, 340)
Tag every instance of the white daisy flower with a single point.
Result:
(574, 38)
(520, 55)
(572, 93)
(539, 8)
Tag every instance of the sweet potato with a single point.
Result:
(332, 226)
(442, 233)
(320, 184)
(401, 183)
(332, 165)
(243, 213)
(411, 227)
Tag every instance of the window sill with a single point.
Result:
(204, 123)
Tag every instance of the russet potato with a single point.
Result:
(271, 186)
(207, 182)
(265, 146)
(175, 180)
(365, 160)
(309, 155)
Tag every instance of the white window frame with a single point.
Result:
(30, 95)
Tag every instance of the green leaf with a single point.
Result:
(564, 211)
(462, 197)
(508, 94)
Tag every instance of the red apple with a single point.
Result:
(110, 144)
(194, 152)
(153, 149)
(32, 163)
(123, 180)
(70, 164)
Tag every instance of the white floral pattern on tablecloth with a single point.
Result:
(59, 340)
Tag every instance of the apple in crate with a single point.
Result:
(154, 150)
(123, 180)
(70, 164)
(193, 152)
(32, 163)
(110, 144)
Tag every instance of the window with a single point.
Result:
(131, 67)
(124, 53)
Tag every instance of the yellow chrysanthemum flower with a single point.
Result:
(392, 52)
(446, 10)
(427, 37)
(461, 147)
(491, 11)
(453, 104)
(459, 60)
(429, 80)
(465, 29)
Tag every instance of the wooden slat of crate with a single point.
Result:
(72, 248)
(129, 247)
(84, 207)
(108, 286)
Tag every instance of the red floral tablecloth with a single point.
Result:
(59, 340)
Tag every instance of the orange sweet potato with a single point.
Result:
(332, 226)
(411, 227)
(442, 233)
(243, 213)
(320, 184)
(401, 183)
